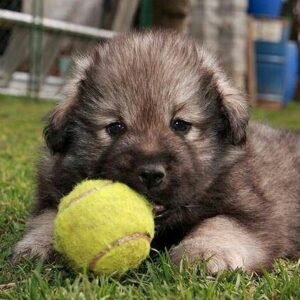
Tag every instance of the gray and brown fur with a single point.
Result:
(231, 191)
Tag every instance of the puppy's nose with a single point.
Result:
(151, 176)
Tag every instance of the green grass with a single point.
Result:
(287, 118)
(20, 135)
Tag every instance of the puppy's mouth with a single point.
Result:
(157, 205)
(158, 208)
(160, 211)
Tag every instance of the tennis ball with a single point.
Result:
(104, 226)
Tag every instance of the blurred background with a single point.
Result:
(256, 41)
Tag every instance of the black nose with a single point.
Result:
(151, 176)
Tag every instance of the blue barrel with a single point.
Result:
(275, 63)
(270, 74)
(265, 8)
(277, 75)
(278, 47)
(291, 72)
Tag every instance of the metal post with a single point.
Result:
(145, 18)
(36, 49)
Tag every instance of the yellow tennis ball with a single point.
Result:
(104, 227)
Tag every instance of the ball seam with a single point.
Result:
(84, 194)
(117, 243)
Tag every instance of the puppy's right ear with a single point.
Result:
(57, 132)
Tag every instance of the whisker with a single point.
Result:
(191, 206)
(161, 215)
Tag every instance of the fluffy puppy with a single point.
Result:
(153, 110)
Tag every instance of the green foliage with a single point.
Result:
(20, 135)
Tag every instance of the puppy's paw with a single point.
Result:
(217, 258)
(224, 244)
(37, 242)
(32, 249)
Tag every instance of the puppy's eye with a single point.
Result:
(181, 126)
(116, 128)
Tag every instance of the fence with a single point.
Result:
(38, 37)
(36, 50)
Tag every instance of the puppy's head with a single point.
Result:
(154, 111)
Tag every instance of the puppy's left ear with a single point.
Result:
(235, 109)
(232, 103)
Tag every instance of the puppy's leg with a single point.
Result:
(38, 240)
(225, 244)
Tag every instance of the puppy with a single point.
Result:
(153, 110)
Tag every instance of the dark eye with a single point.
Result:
(116, 128)
(181, 126)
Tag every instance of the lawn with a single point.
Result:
(20, 135)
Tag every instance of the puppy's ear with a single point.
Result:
(235, 111)
(232, 103)
(57, 132)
